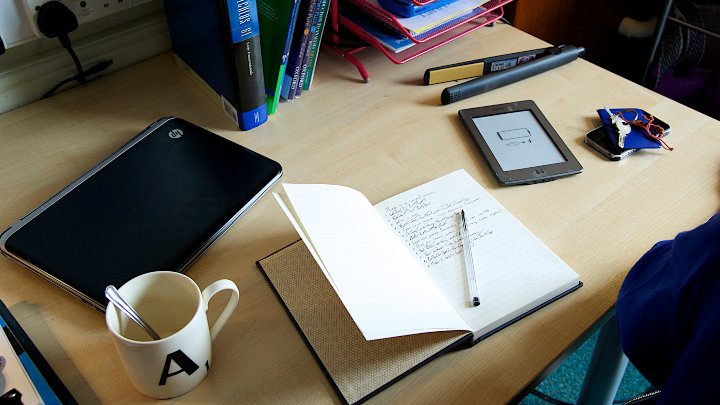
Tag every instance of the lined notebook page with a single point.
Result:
(515, 271)
(384, 289)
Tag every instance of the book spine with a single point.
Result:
(277, 23)
(324, 7)
(288, 42)
(303, 46)
(247, 57)
(311, 31)
(292, 63)
(292, 73)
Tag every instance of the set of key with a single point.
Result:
(621, 126)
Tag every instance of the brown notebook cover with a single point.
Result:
(358, 368)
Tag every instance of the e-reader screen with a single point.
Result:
(517, 140)
(519, 143)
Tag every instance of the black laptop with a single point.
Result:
(155, 204)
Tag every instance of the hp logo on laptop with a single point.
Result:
(175, 133)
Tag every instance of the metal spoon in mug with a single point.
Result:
(114, 296)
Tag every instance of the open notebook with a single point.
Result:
(380, 290)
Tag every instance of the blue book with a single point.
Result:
(25, 369)
(407, 9)
(297, 50)
(390, 39)
(218, 43)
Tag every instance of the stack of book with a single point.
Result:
(401, 24)
(290, 33)
(247, 54)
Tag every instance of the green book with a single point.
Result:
(277, 23)
(319, 26)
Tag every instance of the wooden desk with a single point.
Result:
(380, 138)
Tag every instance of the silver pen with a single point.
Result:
(469, 264)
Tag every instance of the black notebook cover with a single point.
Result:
(155, 204)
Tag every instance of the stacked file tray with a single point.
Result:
(369, 21)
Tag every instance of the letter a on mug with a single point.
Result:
(181, 359)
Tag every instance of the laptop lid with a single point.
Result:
(155, 204)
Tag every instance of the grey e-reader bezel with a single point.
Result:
(564, 163)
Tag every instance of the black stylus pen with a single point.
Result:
(492, 81)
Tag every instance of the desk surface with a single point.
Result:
(380, 138)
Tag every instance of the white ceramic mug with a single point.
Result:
(172, 304)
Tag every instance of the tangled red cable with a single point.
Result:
(653, 131)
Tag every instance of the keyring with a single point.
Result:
(637, 114)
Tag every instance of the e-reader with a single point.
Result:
(518, 143)
(156, 203)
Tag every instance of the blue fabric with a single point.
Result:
(668, 313)
(636, 139)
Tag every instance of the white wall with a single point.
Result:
(29, 70)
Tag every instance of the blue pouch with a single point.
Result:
(637, 138)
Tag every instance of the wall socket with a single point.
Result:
(28, 70)
(18, 17)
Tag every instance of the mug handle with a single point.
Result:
(214, 288)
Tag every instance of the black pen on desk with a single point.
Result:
(469, 264)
